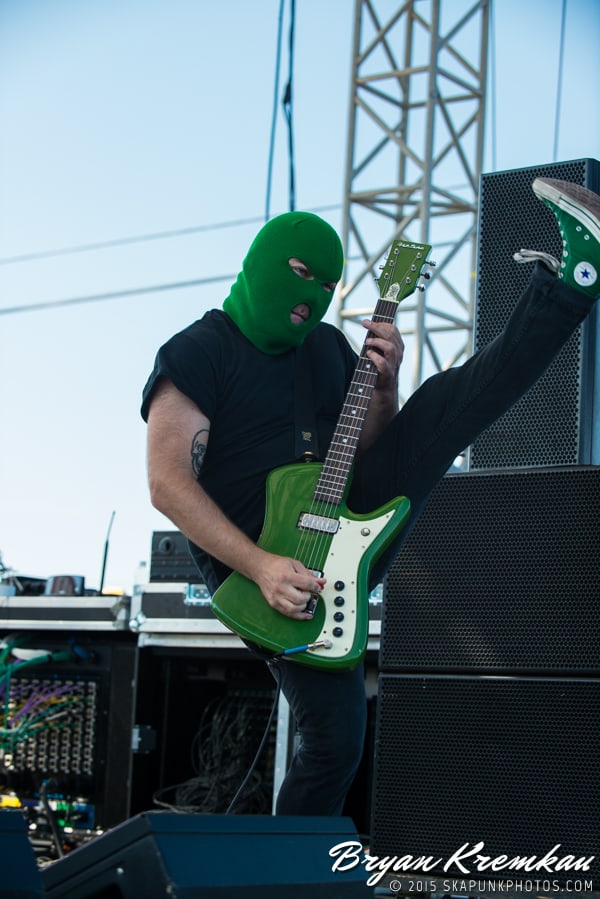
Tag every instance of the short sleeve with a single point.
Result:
(189, 360)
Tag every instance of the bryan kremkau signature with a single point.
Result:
(349, 854)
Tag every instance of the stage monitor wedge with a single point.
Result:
(556, 422)
(19, 874)
(158, 854)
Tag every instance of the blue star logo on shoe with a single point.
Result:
(585, 274)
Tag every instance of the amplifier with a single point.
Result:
(171, 560)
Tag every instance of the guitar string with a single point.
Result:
(364, 377)
(338, 469)
(316, 541)
(346, 432)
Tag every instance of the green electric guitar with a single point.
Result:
(307, 518)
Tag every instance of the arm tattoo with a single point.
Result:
(198, 450)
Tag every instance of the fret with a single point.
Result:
(344, 448)
(399, 279)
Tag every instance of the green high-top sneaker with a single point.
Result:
(577, 211)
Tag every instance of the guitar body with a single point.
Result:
(325, 538)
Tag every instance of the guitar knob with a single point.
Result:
(339, 601)
(339, 616)
(338, 631)
(339, 586)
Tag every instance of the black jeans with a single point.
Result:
(442, 417)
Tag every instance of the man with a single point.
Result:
(220, 410)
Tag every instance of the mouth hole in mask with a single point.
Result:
(300, 313)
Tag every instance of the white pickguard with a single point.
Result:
(341, 566)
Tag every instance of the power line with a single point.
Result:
(288, 108)
(142, 238)
(120, 241)
(136, 291)
(113, 295)
(271, 158)
(559, 83)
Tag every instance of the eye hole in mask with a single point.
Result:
(303, 271)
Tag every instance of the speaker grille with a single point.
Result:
(553, 423)
(500, 574)
(511, 762)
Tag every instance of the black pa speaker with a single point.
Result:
(556, 422)
(502, 768)
(19, 875)
(158, 854)
(501, 574)
(489, 702)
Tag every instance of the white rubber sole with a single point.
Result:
(577, 201)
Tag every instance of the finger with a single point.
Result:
(385, 331)
(391, 350)
(390, 339)
(298, 612)
(291, 607)
(384, 364)
(305, 602)
(306, 580)
(304, 599)
(381, 329)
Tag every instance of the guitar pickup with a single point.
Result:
(311, 522)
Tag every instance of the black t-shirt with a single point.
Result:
(248, 396)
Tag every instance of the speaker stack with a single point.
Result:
(488, 699)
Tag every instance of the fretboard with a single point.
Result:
(342, 449)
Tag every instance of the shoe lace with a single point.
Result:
(538, 256)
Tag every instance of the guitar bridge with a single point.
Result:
(310, 522)
(311, 605)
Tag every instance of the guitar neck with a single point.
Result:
(334, 476)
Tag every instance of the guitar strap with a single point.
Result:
(307, 444)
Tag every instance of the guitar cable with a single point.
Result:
(259, 751)
(306, 647)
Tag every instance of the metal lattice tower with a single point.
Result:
(415, 149)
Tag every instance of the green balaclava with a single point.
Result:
(267, 289)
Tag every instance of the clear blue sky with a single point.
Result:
(132, 117)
